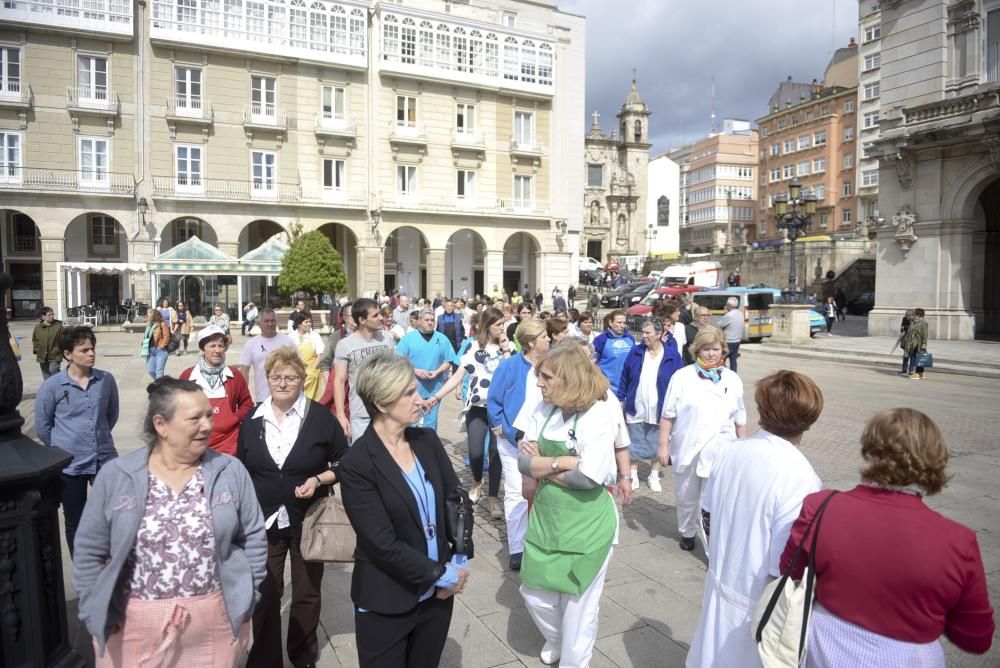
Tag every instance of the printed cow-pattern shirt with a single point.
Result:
(480, 364)
(174, 553)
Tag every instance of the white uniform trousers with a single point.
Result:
(687, 488)
(568, 622)
(515, 507)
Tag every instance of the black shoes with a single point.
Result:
(515, 561)
(687, 544)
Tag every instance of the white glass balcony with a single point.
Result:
(191, 108)
(335, 125)
(15, 94)
(465, 138)
(525, 146)
(263, 115)
(99, 100)
(328, 32)
(103, 16)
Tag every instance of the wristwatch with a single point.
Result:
(555, 463)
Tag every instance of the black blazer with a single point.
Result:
(320, 444)
(391, 567)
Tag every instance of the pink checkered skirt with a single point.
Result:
(175, 632)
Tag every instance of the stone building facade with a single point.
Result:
(616, 183)
(438, 145)
(939, 157)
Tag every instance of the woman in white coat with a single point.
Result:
(753, 497)
(703, 409)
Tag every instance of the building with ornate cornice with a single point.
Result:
(439, 145)
(939, 159)
(616, 179)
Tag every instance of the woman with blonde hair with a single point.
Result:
(892, 575)
(569, 447)
(703, 409)
(154, 343)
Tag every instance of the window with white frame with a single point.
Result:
(804, 142)
(789, 171)
(845, 216)
(824, 221)
(425, 45)
(871, 90)
(524, 128)
(869, 177)
(775, 174)
(406, 180)
(789, 146)
(92, 78)
(847, 189)
(10, 71)
(795, 120)
(263, 98)
(334, 174)
(873, 60)
(187, 89)
(803, 168)
(820, 192)
(406, 111)
(775, 150)
(465, 118)
(94, 161)
(10, 157)
(523, 195)
(595, 176)
(190, 161)
(460, 49)
(333, 103)
(848, 160)
(764, 132)
(781, 123)
(848, 106)
(993, 44)
(443, 42)
(509, 19)
(408, 41)
(264, 173)
(824, 110)
(819, 138)
(873, 32)
(848, 134)
(185, 228)
(870, 120)
(103, 235)
(819, 165)
(466, 184)
(511, 64)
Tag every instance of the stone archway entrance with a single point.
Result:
(988, 327)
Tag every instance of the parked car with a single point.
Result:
(590, 277)
(636, 313)
(589, 263)
(615, 298)
(861, 304)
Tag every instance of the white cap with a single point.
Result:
(207, 331)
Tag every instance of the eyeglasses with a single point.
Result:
(278, 380)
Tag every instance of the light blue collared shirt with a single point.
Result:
(79, 420)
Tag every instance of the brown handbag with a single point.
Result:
(327, 534)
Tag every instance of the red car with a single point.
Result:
(636, 314)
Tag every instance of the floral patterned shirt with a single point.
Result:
(174, 553)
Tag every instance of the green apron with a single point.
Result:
(570, 531)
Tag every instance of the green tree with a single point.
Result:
(312, 265)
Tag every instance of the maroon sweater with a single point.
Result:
(888, 563)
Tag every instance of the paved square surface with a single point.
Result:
(653, 592)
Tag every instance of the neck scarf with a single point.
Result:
(211, 374)
(914, 489)
(712, 373)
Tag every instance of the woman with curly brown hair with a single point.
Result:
(892, 574)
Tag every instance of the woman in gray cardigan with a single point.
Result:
(171, 547)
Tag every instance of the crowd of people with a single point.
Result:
(179, 552)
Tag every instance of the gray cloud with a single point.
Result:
(749, 46)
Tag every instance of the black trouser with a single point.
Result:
(414, 639)
(49, 369)
(734, 353)
(74, 498)
(303, 613)
(478, 427)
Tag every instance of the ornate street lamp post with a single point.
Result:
(794, 211)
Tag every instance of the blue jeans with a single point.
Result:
(156, 362)
(911, 365)
(734, 353)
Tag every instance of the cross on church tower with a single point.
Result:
(597, 118)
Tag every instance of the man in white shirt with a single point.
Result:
(369, 339)
(258, 348)
(732, 325)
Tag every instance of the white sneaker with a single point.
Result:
(549, 654)
(654, 483)
(474, 493)
(635, 482)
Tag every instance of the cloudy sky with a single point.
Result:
(677, 46)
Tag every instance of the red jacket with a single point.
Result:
(229, 411)
(888, 563)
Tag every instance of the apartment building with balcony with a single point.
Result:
(869, 89)
(438, 145)
(718, 188)
(810, 134)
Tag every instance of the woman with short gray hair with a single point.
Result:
(171, 548)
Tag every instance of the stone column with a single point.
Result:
(371, 269)
(53, 251)
(435, 271)
(493, 270)
(554, 270)
(141, 251)
(230, 248)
